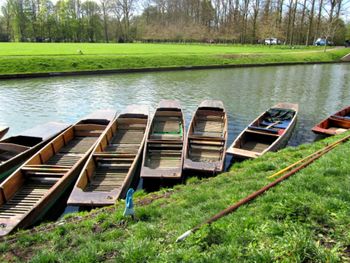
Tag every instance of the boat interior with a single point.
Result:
(115, 155)
(336, 123)
(206, 137)
(24, 189)
(165, 141)
(15, 145)
(266, 130)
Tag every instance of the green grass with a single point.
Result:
(304, 219)
(63, 57)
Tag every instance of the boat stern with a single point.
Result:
(79, 197)
(205, 167)
(161, 173)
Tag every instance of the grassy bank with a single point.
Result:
(66, 57)
(305, 219)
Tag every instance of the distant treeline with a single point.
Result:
(211, 21)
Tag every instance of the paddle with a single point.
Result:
(273, 124)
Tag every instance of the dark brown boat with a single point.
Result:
(163, 153)
(3, 131)
(206, 138)
(269, 132)
(15, 150)
(110, 169)
(337, 123)
(28, 193)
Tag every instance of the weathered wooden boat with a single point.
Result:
(28, 193)
(3, 131)
(15, 150)
(206, 139)
(163, 152)
(337, 123)
(269, 132)
(110, 169)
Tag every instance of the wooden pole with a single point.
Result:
(254, 195)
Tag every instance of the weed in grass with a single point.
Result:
(45, 256)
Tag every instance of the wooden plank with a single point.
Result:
(263, 133)
(11, 147)
(89, 127)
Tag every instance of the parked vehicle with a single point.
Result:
(272, 41)
(347, 43)
(322, 42)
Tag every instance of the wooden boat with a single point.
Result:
(269, 132)
(15, 150)
(206, 138)
(3, 131)
(337, 123)
(109, 171)
(163, 153)
(28, 193)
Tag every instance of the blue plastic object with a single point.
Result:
(129, 205)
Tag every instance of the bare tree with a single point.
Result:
(105, 6)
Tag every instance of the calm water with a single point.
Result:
(319, 89)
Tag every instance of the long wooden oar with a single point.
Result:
(252, 196)
(334, 144)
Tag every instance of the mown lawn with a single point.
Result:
(66, 57)
(304, 219)
(38, 49)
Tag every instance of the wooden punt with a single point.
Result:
(269, 132)
(206, 140)
(3, 131)
(163, 152)
(337, 123)
(15, 150)
(28, 193)
(109, 171)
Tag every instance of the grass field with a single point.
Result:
(39, 49)
(304, 219)
(65, 57)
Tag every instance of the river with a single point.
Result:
(246, 92)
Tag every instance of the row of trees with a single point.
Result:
(239, 21)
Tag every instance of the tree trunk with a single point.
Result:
(318, 19)
(311, 18)
(293, 23)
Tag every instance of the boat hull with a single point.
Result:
(269, 141)
(335, 124)
(206, 139)
(3, 131)
(164, 148)
(29, 192)
(111, 167)
(7, 167)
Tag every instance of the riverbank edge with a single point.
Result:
(155, 69)
(27, 238)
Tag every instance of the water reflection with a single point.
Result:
(246, 92)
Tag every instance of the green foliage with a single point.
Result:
(304, 219)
